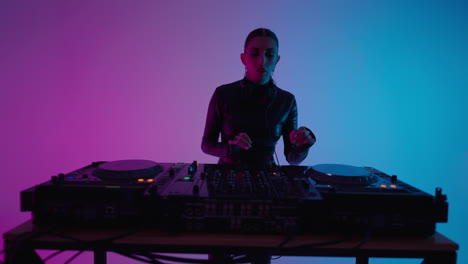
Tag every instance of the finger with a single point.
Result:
(236, 142)
(305, 141)
(243, 141)
(298, 135)
(301, 135)
(245, 137)
(301, 129)
(293, 136)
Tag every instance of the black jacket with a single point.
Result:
(265, 113)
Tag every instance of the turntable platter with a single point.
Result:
(128, 169)
(338, 174)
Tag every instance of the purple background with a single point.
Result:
(381, 83)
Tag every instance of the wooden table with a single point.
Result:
(436, 249)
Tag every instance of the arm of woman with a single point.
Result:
(297, 141)
(210, 144)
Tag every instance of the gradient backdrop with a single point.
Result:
(381, 83)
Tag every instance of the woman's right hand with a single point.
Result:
(242, 140)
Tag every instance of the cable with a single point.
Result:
(367, 236)
(286, 240)
(136, 257)
(117, 236)
(86, 243)
(243, 259)
(235, 259)
(73, 257)
(327, 243)
(179, 259)
(53, 255)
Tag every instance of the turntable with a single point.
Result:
(364, 197)
(341, 178)
(337, 174)
(127, 169)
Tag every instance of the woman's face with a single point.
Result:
(260, 58)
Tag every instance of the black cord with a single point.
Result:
(367, 236)
(236, 259)
(136, 257)
(240, 259)
(73, 257)
(285, 240)
(53, 255)
(288, 238)
(179, 259)
(68, 237)
(108, 240)
(327, 243)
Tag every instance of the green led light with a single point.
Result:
(187, 178)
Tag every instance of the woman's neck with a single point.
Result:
(266, 84)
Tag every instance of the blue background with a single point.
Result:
(381, 83)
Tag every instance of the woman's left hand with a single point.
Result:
(301, 136)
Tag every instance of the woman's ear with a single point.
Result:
(242, 57)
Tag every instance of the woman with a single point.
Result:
(253, 113)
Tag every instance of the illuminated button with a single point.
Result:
(393, 186)
(383, 186)
(187, 178)
(141, 180)
(150, 180)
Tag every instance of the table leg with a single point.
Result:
(362, 260)
(100, 256)
(20, 253)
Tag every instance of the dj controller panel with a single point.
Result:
(194, 197)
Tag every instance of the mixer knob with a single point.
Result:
(192, 168)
